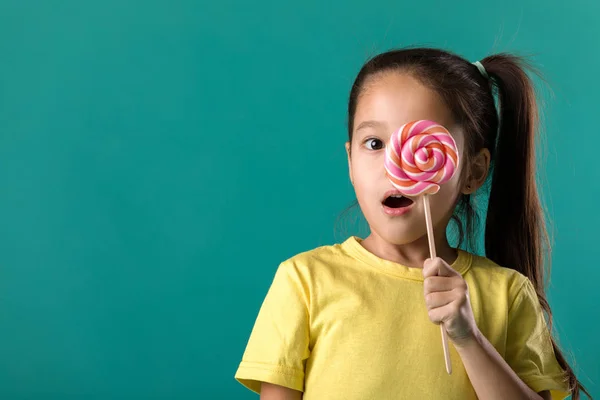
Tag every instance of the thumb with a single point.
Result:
(446, 270)
(437, 267)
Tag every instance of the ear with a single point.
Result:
(348, 144)
(478, 171)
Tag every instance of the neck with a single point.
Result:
(410, 254)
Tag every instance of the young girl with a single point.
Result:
(357, 320)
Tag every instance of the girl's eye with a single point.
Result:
(373, 144)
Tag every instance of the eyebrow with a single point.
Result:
(369, 124)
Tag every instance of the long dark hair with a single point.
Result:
(515, 229)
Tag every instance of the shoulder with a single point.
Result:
(483, 265)
(322, 264)
(486, 272)
(325, 252)
(315, 260)
(301, 272)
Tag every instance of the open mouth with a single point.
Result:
(397, 201)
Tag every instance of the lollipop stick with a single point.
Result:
(433, 255)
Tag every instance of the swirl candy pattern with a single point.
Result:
(421, 156)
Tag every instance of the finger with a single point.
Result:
(431, 267)
(437, 267)
(456, 284)
(442, 314)
(438, 284)
(439, 299)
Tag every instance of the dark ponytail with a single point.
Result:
(515, 217)
(515, 230)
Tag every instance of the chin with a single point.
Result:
(400, 235)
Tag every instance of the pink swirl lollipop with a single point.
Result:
(421, 156)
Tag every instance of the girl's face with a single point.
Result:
(388, 101)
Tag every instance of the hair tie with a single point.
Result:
(481, 69)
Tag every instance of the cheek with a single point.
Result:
(452, 187)
(365, 178)
(444, 200)
(362, 184)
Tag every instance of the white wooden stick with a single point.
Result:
(433, 253)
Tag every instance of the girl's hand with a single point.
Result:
(447, 300)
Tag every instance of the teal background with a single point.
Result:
(158, 159)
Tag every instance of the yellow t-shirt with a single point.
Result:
(338, 322)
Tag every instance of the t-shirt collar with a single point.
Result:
(354, 247)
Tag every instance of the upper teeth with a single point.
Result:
(398, 196)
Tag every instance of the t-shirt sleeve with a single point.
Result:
(529, 349)
(279, 343)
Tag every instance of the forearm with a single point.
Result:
(270, 391)
(491, 377)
